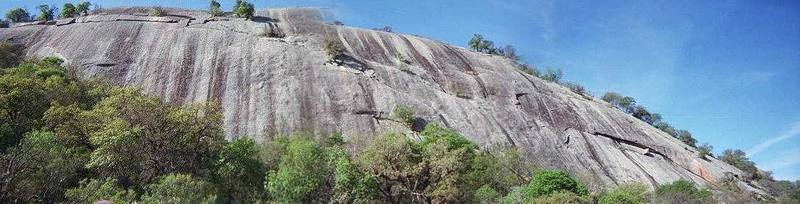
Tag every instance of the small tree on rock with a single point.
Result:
(405, 115)
(83, 8)
(18, 15)
(214, 8)
(68, 11)
(243, 9)
(46, 12)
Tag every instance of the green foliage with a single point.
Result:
(96, 190)
(547, 182)
(486, 194)
(69, 10)
(682, 191)
(738, 158)
(686, 137)
(350, 184)
(562, 197)
(18, 15)
(214, 8)
(239, 175)
(553, 75)
(243, 9)
(4, 24)
(46, 12)
(393, 160)
(298, 173)
(83, 8)
(178, 188)
(156, 11)
(666, 127)
(529, 70)
(10, 55)
(434, 133)
(577, 88)
(405, 115)
(335, 49)
(39, 169)
(515, 196)
(704, 149)
(631, 193)
(479, 44)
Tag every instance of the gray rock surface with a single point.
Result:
(270, 85)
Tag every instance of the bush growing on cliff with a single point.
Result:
(405, 115)
(156, 11)
(10, 55)
(83, 8)
(704, 149)
(46, 12)
(18, 15)
(577, 88)
(4, 24)
(214, 8)
(682, 191)
(631, 193)
(68, 11)
(553, 75)
(243, 9)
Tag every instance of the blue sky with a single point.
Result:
(728, 71)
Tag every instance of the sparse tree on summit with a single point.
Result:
(18, 15)
(46, 12)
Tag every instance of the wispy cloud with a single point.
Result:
(793, 131)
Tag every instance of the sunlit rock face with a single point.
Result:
(272, 76)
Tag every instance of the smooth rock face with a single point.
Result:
(271, 85)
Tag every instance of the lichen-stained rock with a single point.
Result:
(270, 85)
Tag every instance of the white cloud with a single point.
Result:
(793, 131)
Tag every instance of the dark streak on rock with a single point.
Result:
(593, 153)
(185, 72)
(633, 143)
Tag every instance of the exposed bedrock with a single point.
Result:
(275, 85)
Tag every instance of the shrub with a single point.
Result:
(178, 188)
(666, 127)
(547, 182)
(553, 75)
(83, 8)
(243, 9)
(51, 61)
(704, 149)
(682, 191)
(480, 44)
(631, 193)
(18, 15)
(335, 49)
(577, 88)
(529, 70)
(96, 190)
(738, 158)
(562, 197)
(686, 137)
(68, 11)
(405, 115)
(214, 8)
(238, 173)
(45, 12)
(157, 11)
(299, 172)
(486, 194)
(4, 24)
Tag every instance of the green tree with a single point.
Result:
(239, 174)
(479, 44)
(738, 158)
(178, 188)
(214, 8)
(686, 137)
(553, 75)
(133, 129)
(704, 149)
(156, 11)
(18, 15)
(83, 8)
(631, 193)
(299, 172)
(486, 194)
(96, 190)
(350, 184)
(682, 191)
(243, 9)
(405, 115)
(46, 12)
(546, 182)
(40, 169)
(68, 11)
(562, 197)
(666, 127)
(393, 160)
(23, 100)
